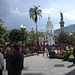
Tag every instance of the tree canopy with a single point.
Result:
(65, 38)
(35, 13)
(3, 34)
(16, 36)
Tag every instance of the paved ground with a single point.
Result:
(41, 65)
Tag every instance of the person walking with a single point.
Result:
(15, 62)
(66, 56)
(1, 62)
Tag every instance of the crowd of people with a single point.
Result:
(14, 61)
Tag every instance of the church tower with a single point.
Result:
(49, 32)
(49, 26)
(61, 22)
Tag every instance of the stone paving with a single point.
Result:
(42, 65)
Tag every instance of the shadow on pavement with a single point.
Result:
(70, 66)
(25, 68)
(71, 73)
(32, 74)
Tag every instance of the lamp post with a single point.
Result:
(23, 28)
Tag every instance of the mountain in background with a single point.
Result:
(70, 28)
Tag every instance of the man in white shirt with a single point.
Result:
(1, 62)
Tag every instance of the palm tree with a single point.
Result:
(35, 13)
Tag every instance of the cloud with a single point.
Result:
(56, 26)
(70, 16)
(5, 7)
(51, 10)
(16, 0)
(53, 4)
(17, 12)
(46, 11)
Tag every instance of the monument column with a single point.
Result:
(61, 22)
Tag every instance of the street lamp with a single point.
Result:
(23, 28)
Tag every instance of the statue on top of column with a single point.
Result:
(61, 15)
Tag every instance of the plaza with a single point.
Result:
(42, 65)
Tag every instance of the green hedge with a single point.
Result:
(71, 56)
(62, 53)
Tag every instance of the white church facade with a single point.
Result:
(49, 32)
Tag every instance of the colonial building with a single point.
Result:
(49, 32)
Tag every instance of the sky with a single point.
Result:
(16, 12)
